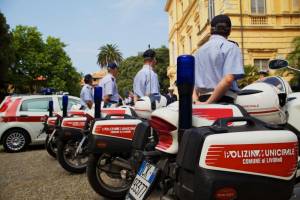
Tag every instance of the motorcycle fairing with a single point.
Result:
(203, 115)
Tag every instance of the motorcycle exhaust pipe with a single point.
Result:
(65, 100)
(50, 108)
(97, 100)
(185, 84)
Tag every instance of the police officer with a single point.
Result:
(108, 83)
(86, 94)
(218, 64)
(146, 80)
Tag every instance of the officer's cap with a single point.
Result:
(220, 19)
(149, 54)
(112, 65)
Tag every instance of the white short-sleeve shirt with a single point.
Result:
(86, 94)
(109, 87)
(215, 59)
(146, 82)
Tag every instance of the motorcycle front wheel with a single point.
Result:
(67, 158)
(50, 146)
(107, 179)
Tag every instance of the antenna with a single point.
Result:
(148, 46)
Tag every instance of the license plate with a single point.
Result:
(142, 181)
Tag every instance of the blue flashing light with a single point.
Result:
(50, 105)
(97, 94)
(186, 70)
(65, 100)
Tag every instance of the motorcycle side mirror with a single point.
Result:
(278, 64)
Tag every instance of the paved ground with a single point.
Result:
(34, 175)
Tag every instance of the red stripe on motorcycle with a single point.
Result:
(213, 113)
(73, 124)
(51, 122)
(165, 141)
(113, 111)
(118, 131)
(263, 112)
(274, 159)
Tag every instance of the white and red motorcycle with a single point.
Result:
(231, 153)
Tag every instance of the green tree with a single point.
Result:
(251, 75)
(6, 55)
(36, 58)
(131, 65)
(29, 47)
(294, 61)
(109, 53)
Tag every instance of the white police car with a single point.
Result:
(22, 117)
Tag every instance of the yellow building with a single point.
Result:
(263, 29)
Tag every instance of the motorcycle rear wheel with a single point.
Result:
(104, 177)
(67, 159)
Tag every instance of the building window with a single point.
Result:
(296, 4)
(190, 43)
(211, 9)
(262, 64)
(258, 7)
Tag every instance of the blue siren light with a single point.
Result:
(98, 94)
(65, 100)
(186, 69)
(50, 105)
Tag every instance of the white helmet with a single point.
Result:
(145, 105)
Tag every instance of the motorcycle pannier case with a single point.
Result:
(113, 135)
(252, 161)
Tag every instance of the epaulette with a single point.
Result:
(234, 42)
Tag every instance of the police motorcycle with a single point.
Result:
(51, 126)
(230, 151)
(72, 140)
(109, 171)
(53, 123)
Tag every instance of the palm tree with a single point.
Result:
(109, 53)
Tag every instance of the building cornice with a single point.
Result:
(167, 6)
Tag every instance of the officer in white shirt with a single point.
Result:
(86, 94)
(218, 65)
(108, 83)
(146, 80)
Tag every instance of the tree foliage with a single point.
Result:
(7, 55)
(46, 59)
(131, 65)
(251, 75)
(294, 61)
(109, 53)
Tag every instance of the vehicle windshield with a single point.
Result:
(275, 81)
(70, 103)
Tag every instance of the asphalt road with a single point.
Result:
(34, 175)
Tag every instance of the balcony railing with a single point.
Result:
(258, 20)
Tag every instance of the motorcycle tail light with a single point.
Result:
(226, 193)
(161, 126)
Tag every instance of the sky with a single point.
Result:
(85, 25)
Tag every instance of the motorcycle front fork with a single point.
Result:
(79, 148)
(51, 136)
